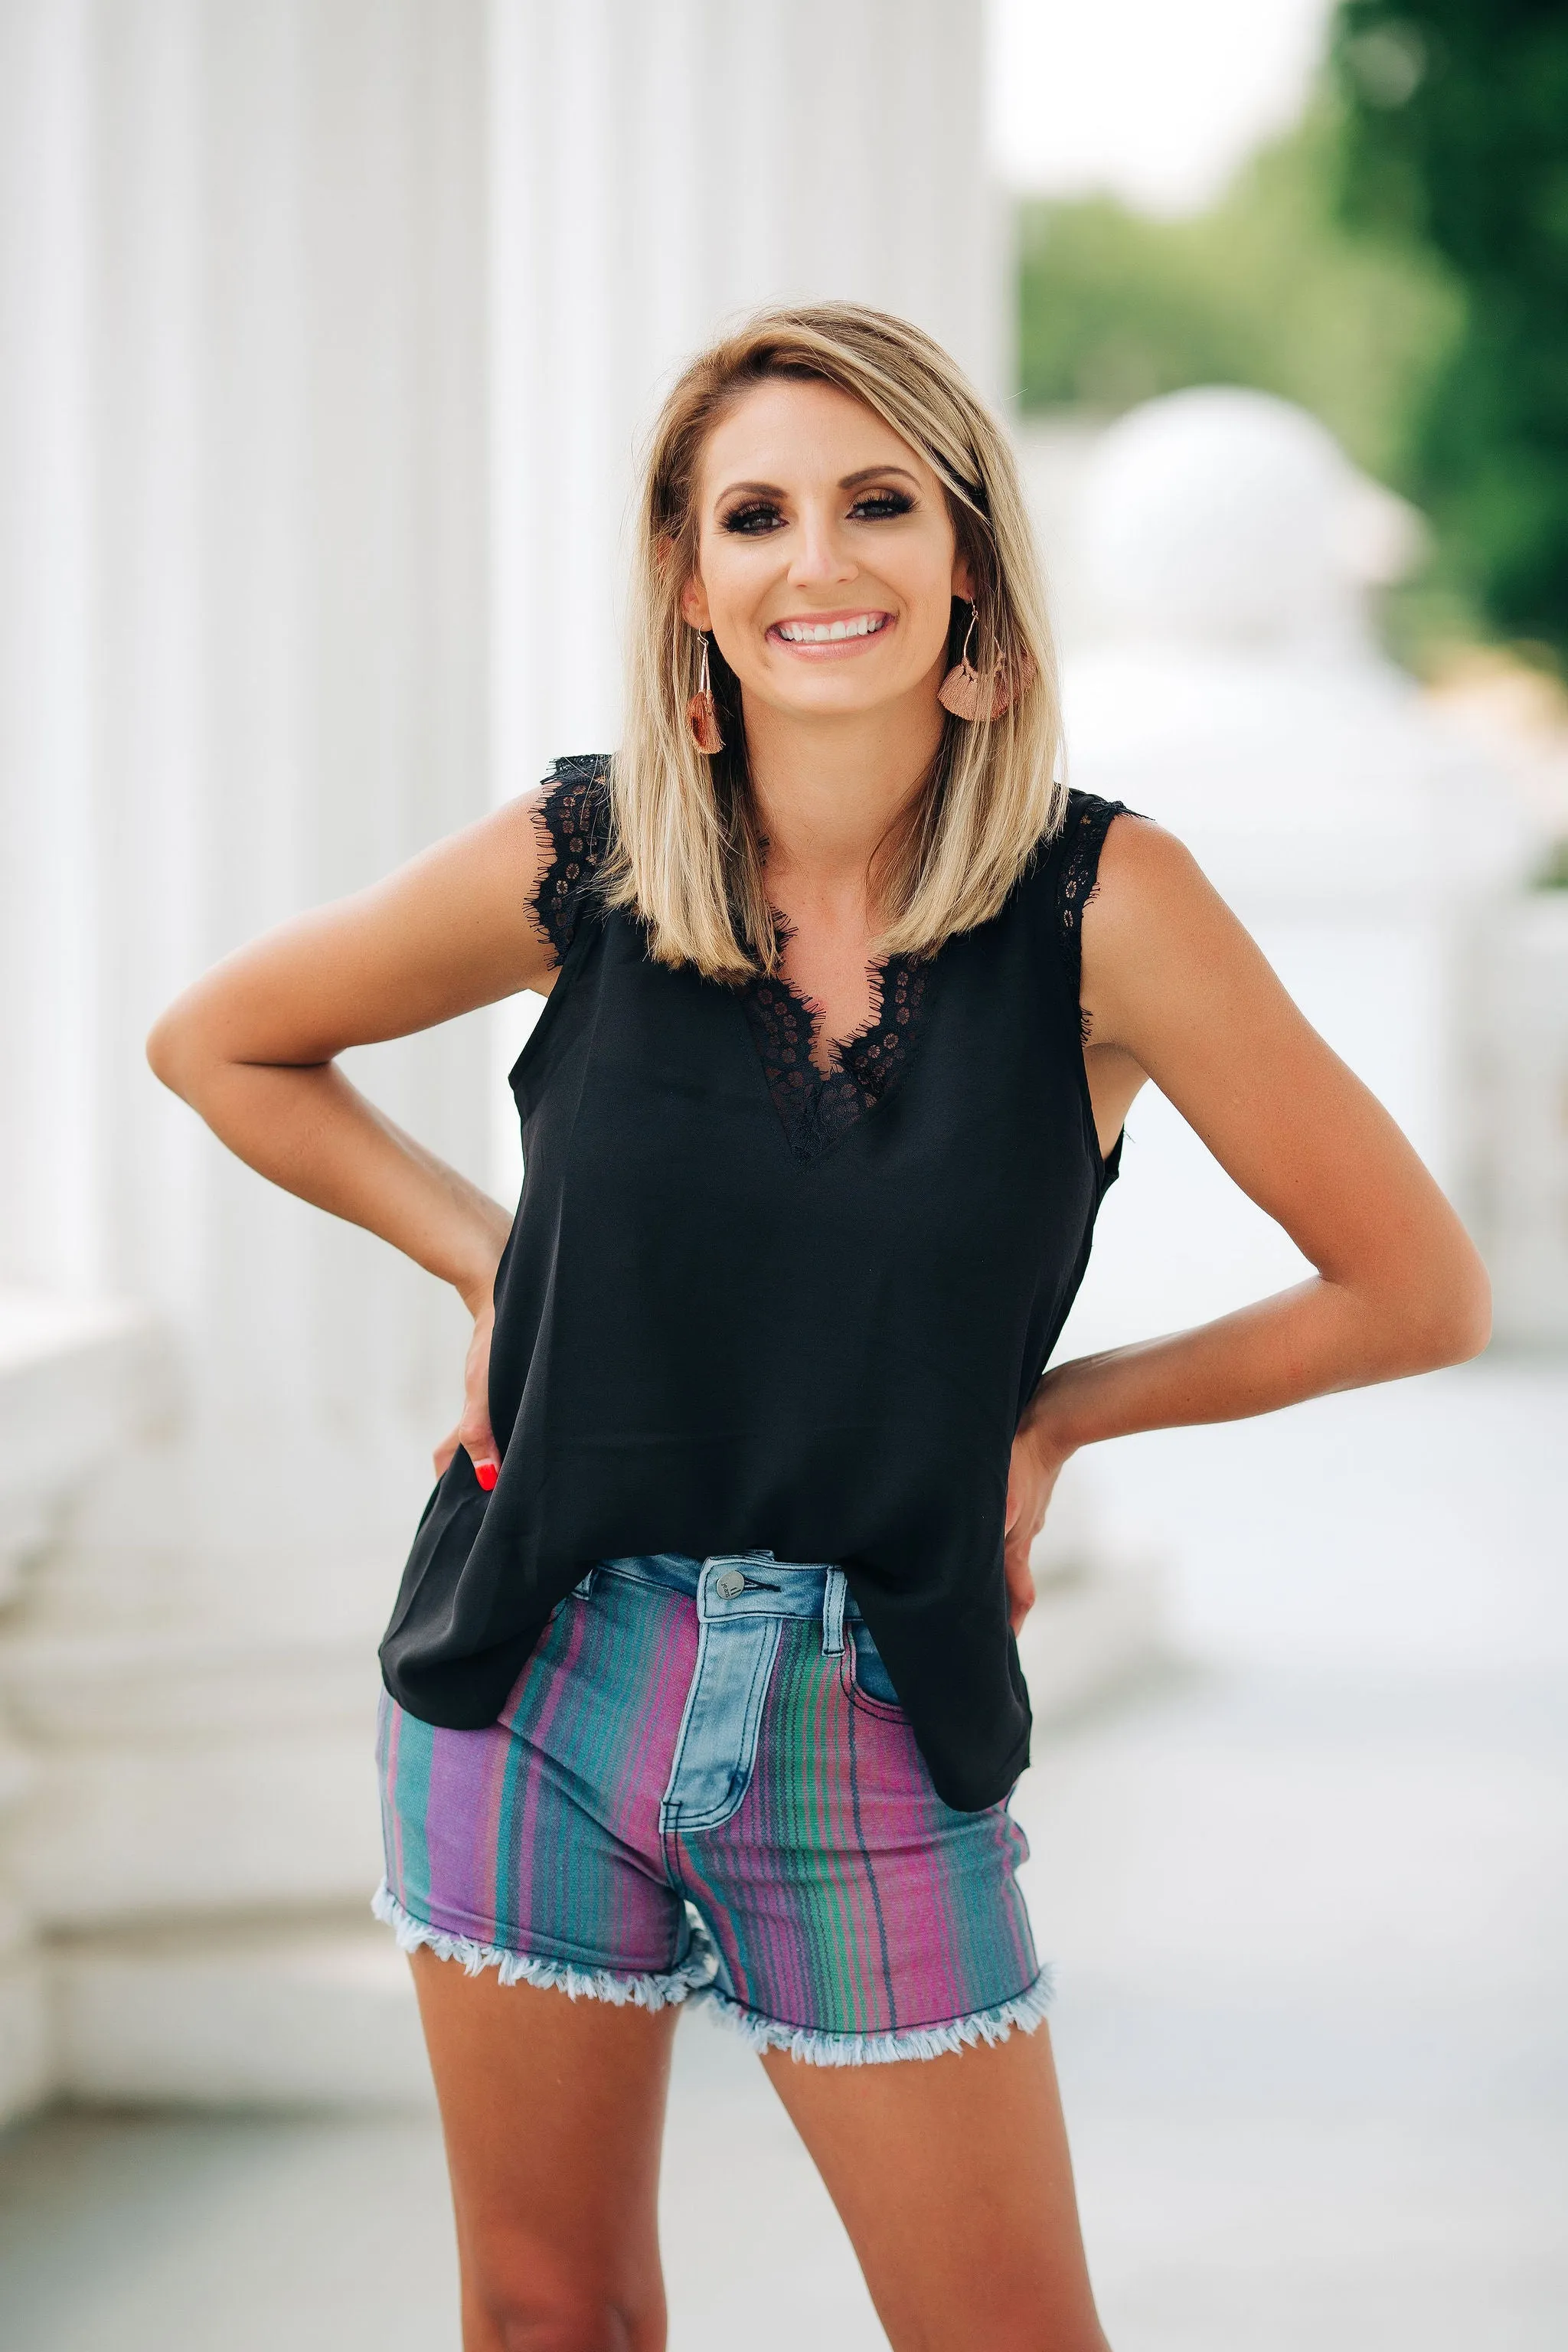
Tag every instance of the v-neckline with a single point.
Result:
(816, 1106)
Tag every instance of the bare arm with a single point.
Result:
(250, 1046)
(1176, 991)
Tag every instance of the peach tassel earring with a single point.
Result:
(960, 690)
(702, 717)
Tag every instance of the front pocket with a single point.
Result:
(872, 1681)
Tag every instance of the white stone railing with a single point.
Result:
(187, 1811)
(75, 1381)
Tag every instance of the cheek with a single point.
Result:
(928, 596)
(921, 569)
(733, 578)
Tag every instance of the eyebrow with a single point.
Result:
(848, 482)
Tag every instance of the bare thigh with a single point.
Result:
(954, 2180)
(552, 2111)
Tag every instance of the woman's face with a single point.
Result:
(826, 562)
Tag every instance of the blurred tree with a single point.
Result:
(1270, 287)
(1455, 139)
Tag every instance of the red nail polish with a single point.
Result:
(487, 1473)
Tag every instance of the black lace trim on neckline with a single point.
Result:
(817, 1107)
(571, 819)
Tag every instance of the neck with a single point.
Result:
(829, 790)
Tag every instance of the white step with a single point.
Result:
(317, 2013)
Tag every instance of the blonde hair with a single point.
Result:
(686, 854)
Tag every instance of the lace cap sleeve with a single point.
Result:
(1088, 820)
(574, 819)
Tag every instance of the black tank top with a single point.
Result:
(745, 1306)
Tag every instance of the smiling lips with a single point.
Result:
(835, 630)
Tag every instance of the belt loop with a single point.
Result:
(834, 1593)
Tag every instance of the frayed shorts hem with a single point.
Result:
(1023, 2012)
(692, 1981)
(644, 1989)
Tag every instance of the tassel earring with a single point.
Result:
(962, 691)
(702, 717)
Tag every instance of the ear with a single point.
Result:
(963, 579)
(694, 604)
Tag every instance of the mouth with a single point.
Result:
(817, 633)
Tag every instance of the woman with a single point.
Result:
(703, 1678)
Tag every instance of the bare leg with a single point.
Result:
(954, 2180)
(553, 2115)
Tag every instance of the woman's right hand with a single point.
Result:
(473, 1431)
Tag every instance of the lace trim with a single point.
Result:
(818, 1105)
(1083, 838)
(573, 822)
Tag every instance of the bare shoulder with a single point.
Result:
(488, 910)
(455, 928)
(491, 872)
(1143, 872)
(462, 916)
(1161, 948)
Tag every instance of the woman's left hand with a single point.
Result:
(1036, 1464)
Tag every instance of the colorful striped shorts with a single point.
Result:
(703, 1786)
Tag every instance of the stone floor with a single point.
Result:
(1307, 1897)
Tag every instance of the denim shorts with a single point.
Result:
(702, 1785)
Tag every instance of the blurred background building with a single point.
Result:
(329, 330)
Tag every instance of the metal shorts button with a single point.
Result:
(730, 1584)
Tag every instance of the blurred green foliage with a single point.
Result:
(1270, 287)
(1399, 266)
(1455, 142)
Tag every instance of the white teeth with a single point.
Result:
(823, 633)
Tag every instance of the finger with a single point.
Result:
(475, 1437)
(1020, 1586)
(479, 1443)
(444, 1452)
(487, 1468)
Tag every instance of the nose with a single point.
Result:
(821, 558)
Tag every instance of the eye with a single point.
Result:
(752, 519)
(878, 505)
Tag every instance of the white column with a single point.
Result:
(47, 1222)
(245, 648)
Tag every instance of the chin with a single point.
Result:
(830, 698)
(840, 706)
